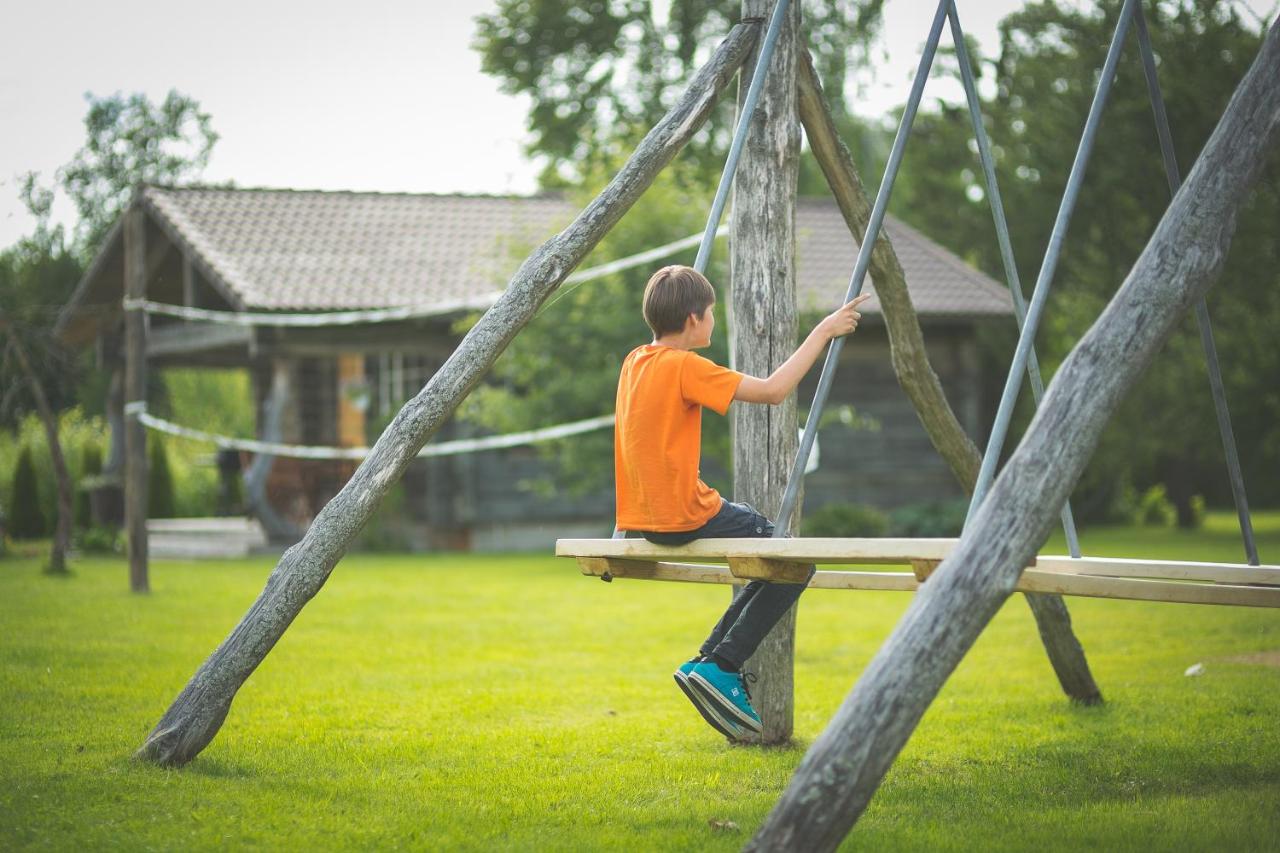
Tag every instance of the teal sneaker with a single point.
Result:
(706, 709)
(727, 693)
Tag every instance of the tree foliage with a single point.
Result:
(600, 73)
(26, 518)
(131, 141)
(1045, 76)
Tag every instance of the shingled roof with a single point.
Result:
(276, 250)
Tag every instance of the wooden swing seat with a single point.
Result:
(728, 561)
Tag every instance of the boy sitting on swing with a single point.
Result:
(662, 389)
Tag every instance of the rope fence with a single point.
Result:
(444, 448)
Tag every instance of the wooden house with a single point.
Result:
(254, 250)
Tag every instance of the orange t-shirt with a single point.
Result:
(658, 437)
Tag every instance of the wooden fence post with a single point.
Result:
(135, 395)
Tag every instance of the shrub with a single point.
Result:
(26, 519)
(929, 520)
(845, 520)
(90, 466)
(159, 481)
(1155, 509)
(99, 539)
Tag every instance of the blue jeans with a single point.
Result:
(759, 605)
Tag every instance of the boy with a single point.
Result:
(662, 389)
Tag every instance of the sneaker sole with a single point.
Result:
(713, 719)
(723, 706)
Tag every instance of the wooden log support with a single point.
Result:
(923, 568)
(762, 326)
(197, 713)
(135, 395)
(845, 765)
(911, 364)
(763, 568)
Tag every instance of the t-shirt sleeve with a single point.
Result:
(706, 383)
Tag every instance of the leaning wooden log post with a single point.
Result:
(762, 325)
(135, 395)
(915, 374)
(62, 528)
(843, 768)
(196, 715)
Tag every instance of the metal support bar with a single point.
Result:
(874, 224)
(1202, 309)
(1044, 281)
(1002, 235)
(740, 135)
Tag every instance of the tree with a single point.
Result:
(601, 73)
(1044, 79)
(160, 503)
(132, 141)
(26, 520)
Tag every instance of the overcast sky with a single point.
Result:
(381, 95)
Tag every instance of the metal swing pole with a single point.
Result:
(1202, 308)
(1040, 296)
(1002, 235)
(783, 521)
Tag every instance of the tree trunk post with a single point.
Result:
(197, 713)
(915, 374)
(843, 768)
(135, 395)
(762, 325)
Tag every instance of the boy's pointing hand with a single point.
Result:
(843, 320)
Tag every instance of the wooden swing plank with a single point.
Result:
(812, 551)
(1161, 569)
(778, 571)
(696, 573)
(1136, 589)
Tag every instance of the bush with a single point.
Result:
(159, 481)
(99, 539)
(26, 519)
(845, 520)
(930, 520)
(90, 466)
(1155, 509)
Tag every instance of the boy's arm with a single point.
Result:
(784, 380)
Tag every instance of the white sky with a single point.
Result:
(382, 95)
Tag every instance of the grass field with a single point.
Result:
(480, 702)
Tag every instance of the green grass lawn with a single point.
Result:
(479, 702)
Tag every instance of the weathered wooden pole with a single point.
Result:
(135, 395)
(843, 768)
(197, 713)
(762, 326)
(915, 374)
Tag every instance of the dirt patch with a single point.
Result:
(1271, 658)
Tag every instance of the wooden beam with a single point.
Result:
(1062, 583)
(763, 568)
(1162, 569)
(135, 395)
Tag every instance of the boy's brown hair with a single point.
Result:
(672, 294)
